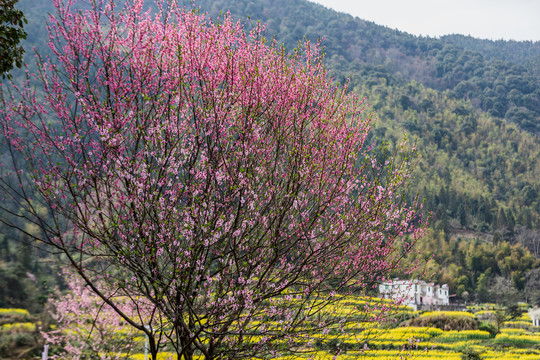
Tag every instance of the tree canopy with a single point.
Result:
(11, 33)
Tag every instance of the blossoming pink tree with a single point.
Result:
(87, 327)
(188, 163)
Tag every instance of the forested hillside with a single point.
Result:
(525, 53)
(504, 89)
(473, 113)
(472, 107)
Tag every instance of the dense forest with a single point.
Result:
(494, 84)
(471, 106)
(526, 53)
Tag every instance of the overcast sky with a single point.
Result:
(485, 19)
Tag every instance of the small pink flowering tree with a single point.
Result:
(87, 327)
(188, 163)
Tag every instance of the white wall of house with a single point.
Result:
(415, 292)
(535, 316)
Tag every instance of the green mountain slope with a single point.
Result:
(504, 89)
(444, 95)
(475, 118)
(525, 53)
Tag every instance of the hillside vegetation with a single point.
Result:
(474, 115)
(502, 88)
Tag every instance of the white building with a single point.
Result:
(535, 316)
(415, 292)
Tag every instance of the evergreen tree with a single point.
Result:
(4, 249)
(11, 33)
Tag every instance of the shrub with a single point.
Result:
(470, 354)
(489, 327)
(445, 322)
(23, 339)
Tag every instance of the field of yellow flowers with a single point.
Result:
(517, 339)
